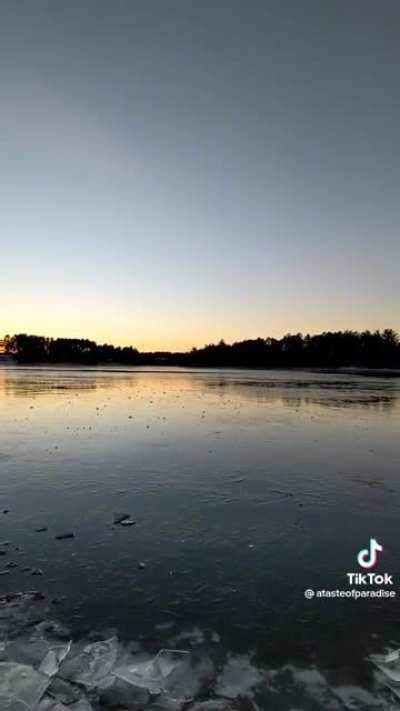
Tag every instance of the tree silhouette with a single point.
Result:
(380, 349)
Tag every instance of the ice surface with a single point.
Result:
(93, 664)
(123, 694)
(238, 677)
(21, 687)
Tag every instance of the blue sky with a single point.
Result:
(175, 172)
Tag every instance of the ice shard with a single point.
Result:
(21, 687)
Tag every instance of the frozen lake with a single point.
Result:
(243, 488)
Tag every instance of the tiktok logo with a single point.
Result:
(368, 557)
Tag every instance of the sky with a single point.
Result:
(174, 172)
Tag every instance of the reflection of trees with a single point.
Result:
(41, 381)
(295, 392)
(362, 401)
(232, 386)
(23, 384)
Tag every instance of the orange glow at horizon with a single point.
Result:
(181, 339)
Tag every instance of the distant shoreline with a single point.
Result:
(353, 351)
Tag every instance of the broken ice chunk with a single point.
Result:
(142, 675)
(389, 665)
(21, 687)
(188, 680)
(157, 674)
(355, 697)
(168, 661)
(93, 664)
(382, 681)
(28, 650)
(238, 677)
(169, 676)
(53, 659)
(392, 656)
(35, 650)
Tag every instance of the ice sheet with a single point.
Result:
(21, 687)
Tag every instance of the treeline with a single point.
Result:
(378, 349)
(39, 349)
